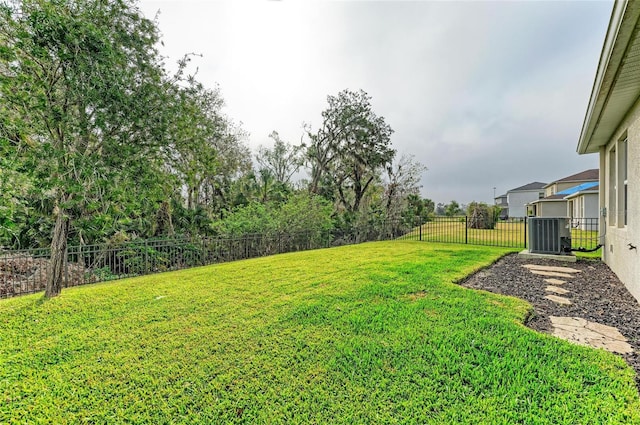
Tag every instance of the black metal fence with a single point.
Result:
(510, 233)
(26, 271)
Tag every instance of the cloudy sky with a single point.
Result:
(485, 94)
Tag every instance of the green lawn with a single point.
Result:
(372, 333)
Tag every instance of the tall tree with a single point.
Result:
(282, 161)
(206, 150)
(83, 81)
(197, 122)
(403, 180)
(351, 149)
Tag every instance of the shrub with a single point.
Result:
(482, 216)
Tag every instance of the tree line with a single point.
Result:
(99, 143)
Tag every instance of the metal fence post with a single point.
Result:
(146, 257)
(420, 227)
(525, 231)
(466, 231)
(65, 283)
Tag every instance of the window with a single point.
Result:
(617, 183)
(570, 209)
(622, 182)
(611, 186)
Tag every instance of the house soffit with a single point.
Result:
(617, 85)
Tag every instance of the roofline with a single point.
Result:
(582, 192)
(571, 181)
(608, 65)
(548, 200)
(525, 190)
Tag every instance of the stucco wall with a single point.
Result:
(623, 261)
(552, 209)
(518, 201)
(591, 207)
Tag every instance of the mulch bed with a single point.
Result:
(596, 295)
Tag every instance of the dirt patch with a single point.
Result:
(596, 294)
(416, 295)
(22, 274)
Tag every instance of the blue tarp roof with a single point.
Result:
(578, 188)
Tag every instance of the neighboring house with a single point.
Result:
(573, 180)
(555, 202)
(611, 128)
(551, 206)
(583, 209)
(501, 201)
(518, 198)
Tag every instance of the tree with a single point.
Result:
(351, 148)
(84, 86)
(417, 208)
(262, 187)
(282, 161)
(452, 209)
(15, 186)
(205, 147)
(403, 181)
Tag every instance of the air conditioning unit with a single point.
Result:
(549, 235)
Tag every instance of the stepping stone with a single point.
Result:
(557, 290)
(619, 347)
(608, 331)
(583, 332)
(558, 300)
(579, 335)
(568, 321)
(555, 281)
(552, 274)
(551, 268)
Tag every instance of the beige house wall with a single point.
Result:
(557, 187)
(624, 262)
(552, 208)
(584, 205)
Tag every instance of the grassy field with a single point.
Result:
(372, 333)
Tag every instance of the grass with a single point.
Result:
(372, 333)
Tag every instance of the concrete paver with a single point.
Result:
(551, 268)
(556, 290)
(558, 300)
(555, 282)
(552, 274)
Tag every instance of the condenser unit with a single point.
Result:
(549, 235)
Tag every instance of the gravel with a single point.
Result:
(596, 294)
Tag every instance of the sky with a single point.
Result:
(484, 94)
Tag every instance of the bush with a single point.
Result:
(301, 213)
(482, 216)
